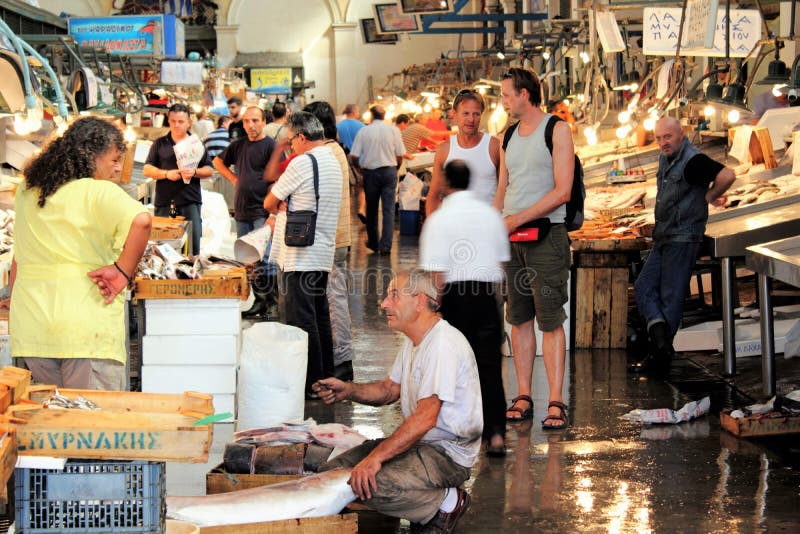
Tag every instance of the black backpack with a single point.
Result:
(574, 217)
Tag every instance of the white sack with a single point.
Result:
(272, 375)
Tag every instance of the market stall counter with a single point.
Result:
(728, 239)
(776, 260)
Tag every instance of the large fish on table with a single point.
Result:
(312, 496)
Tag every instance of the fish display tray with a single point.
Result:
(129, 426)
(755, 426)
(219, 284)
(91, 497)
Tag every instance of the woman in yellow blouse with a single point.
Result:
(78, 240)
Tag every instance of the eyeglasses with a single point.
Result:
(468, 93)
(289, 139)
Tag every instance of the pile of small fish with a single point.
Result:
(57, 401)
(6, 230)
(751, 193)
(603, 199)
(155, 266)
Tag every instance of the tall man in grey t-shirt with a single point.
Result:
(533, 189)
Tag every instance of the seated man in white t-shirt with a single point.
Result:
(415, 473)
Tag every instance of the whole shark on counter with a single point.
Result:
(312, 496)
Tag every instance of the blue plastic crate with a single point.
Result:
(91, 496)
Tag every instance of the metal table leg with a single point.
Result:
(728, 325)
(767, 336)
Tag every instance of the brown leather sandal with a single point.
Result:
(523, 414)
(562, 416)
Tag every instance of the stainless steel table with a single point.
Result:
(779, 260)
(728, 238)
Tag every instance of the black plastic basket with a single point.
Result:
(91, 496)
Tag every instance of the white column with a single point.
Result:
(508, 8)
(227, 45)
(349, 70)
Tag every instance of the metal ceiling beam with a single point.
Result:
(429, 20)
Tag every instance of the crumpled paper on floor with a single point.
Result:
(690, 410)
(769, 406)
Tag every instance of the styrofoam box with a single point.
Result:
(189, 350)
(748, 337)
(701, 336)
(5, 351)
(176, 317)
(180, 378)
(224, 402)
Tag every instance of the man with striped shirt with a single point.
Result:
(218, 140)
(305, 269)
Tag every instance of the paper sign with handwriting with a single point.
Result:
(662, 24)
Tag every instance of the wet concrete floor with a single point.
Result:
(601, 474)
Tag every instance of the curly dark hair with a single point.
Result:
(72, 156)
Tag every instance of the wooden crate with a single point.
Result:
(755, 426)
(217, 284)
(329, 524)
(218, 481)
(16, 380)
(167, 228)
(129, 426)
(8, 458)
(601, 309)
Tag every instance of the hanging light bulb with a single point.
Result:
(624, 117)
(130, 135)
(427, 108)
(501, 56)
(589, 132)
(623, 131)
(61, 125)
(566, 102)
(634, 87)
(649, 124)
(734, 116)
(546, 54)
(708, 111)
(21, 124)
(591, 141)
(585, 57)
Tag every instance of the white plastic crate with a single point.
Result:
(180, 378)
(178, 317)
(189, 350)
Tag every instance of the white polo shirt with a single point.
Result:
(378, 145)
(466, 239)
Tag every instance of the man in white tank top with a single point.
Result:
(479, 150)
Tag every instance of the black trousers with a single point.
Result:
(472, 307)
(307, 308)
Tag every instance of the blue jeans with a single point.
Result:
(190, 212)
(244, 228)
(379, 186)
(662, 285)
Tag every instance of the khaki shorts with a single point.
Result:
(536, 277)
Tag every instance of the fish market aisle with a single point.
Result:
(599, 475)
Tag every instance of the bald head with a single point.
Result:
(669, 136)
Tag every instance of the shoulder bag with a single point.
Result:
(301, 225)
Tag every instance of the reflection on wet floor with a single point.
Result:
(602, 474)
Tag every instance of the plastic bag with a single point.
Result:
(410, 192)
(272, 375)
